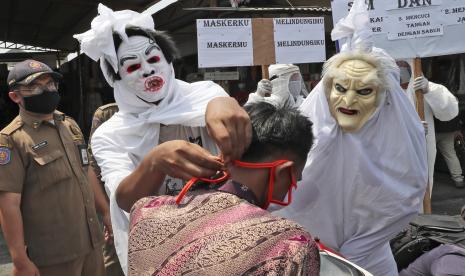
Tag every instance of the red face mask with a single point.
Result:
(269, 199)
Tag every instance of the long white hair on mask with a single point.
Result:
(385, 66)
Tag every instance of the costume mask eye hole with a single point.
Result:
(153, 59)
(339, 88)
(133, 68)
(364, 92)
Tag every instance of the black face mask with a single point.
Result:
(44, 103)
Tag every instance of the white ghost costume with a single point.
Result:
(359, 189)
(439, 103)
(121, 143)
(287, 88)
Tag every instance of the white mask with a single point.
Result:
(143, 69)
(404, 75)
(294, 88)
(353, 95)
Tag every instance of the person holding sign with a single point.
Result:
(285, 86)
(365, 177)
(154, 107)
(440, 103)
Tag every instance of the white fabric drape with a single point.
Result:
(121, 143)
(360, 189)
(439, 103)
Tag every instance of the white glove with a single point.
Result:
(421, 83)
(264, 88)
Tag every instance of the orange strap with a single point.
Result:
(193, 180)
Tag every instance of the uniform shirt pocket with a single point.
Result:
(51, 168)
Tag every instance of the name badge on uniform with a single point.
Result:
(83, 154)
(40, 145)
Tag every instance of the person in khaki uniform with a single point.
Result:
(46, 203)
(110, 258)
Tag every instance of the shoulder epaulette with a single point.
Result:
(107, 106)
(12, 127)
(58, 115)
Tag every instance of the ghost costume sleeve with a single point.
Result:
(359, 188)
(444, 105)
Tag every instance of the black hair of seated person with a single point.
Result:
(277, 130)
(162, 39)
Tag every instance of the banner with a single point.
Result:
(260, 41)
(299, 40)
(413, 28)
(224, 42)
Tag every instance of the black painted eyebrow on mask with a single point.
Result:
(123, 59)
(150, 48)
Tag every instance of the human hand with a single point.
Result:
(181, 159)
(264, 88)
(230, 127)
(25, 267)
(107, 228)
(421, 83)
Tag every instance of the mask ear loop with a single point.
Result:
(289, 193)
(272, 166)
(193, 180)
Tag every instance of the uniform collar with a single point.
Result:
(35, 123)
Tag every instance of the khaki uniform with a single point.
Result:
(102, 114)
(46, 163)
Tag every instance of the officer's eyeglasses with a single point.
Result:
(37, 88)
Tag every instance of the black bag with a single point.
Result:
(424, 233)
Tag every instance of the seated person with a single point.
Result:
(230, 231)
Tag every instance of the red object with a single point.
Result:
(270, 165)
(322, 247)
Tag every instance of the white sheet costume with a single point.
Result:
(439, 103)
(287, 87)
(364, 178)
(153, 107)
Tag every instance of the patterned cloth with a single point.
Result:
(216, 233)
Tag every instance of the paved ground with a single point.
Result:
(447, 200)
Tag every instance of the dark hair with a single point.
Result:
(277, 130)
(162, 39)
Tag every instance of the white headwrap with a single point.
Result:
(280, 93)
(121, 143)
(360, 189)
(97, 43)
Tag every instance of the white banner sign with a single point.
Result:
(454, 13)
(229, 42)
(413, 28)
(299, 40)
(413, 24)
(224, 42)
